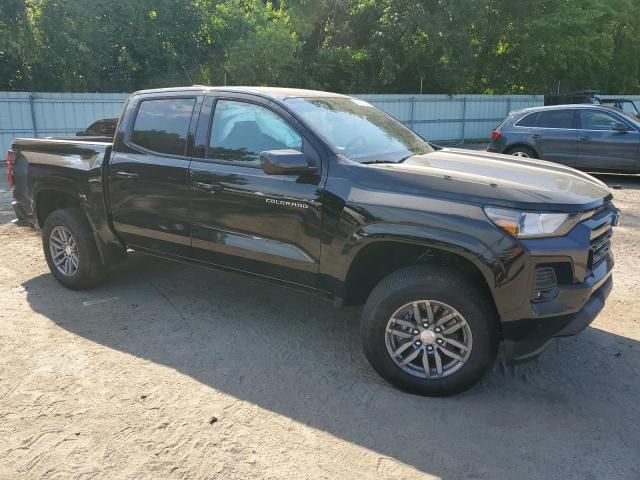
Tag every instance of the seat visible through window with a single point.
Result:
(594, 120)
(241, 131)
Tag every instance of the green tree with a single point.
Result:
(251, 42)
(117, 45)
(16, 45)
(447, 46)
(265, 56)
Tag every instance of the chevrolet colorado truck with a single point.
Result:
(456, 255)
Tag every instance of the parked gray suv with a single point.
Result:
(587, 137)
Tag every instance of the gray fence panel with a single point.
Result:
(55, 114)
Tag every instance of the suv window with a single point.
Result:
(556, 119)
(595, 120)
(162, 125)
(528, 120)
(95, 128)
(102, 127)
(241, 131)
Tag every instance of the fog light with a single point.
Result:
(546, 284)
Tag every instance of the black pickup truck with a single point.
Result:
(456, 255)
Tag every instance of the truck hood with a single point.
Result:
(502, 180)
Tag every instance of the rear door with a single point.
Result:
(148, 174)
(243, 218)
(520, 132)
(555, 137)
(602, 147)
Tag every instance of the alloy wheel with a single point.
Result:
(428, 339)
(64, 251)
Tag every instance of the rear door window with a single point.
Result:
(162, 125)
(556, 119)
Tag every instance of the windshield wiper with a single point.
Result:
(370, 162)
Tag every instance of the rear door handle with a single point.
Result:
(536, 135)
(584, 139)
(126, 175)
(208, 187)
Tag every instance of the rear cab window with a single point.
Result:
(161, 125)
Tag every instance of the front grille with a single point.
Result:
(601, 231)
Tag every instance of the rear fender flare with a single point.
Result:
(109, 251)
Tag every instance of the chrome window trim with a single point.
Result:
(632, 129)
(523, 117)
(581, 129)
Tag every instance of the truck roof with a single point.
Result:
(276, 93)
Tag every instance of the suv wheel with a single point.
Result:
(522, 151)
(70, 249)
(428, 330)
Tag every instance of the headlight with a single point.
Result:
(532, 224)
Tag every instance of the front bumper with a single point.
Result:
(578, 296)
(526, 339)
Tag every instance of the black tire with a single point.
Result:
(437, 284)
(20, 216)
(90, 269)
(521, 151)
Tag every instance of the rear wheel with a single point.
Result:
(428, 330)
(70, 249)
(521, 151)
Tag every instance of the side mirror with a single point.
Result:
(285, 162)
(620, 127)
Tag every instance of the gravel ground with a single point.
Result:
(174, 372)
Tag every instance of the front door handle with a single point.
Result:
(584, 139)
(208, 187)
(128, 175)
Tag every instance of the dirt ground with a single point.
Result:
(175, 372)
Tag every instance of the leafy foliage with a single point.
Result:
(396, 46)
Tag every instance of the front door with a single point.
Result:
(602, 147)
(242, 218)
(148, 175)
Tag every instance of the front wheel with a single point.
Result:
(70, 249)
(429, 330)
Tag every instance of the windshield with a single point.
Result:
(359, 130)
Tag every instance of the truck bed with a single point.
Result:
(49, 172)
(72, 164)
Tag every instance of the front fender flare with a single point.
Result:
(479, 254)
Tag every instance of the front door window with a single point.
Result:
(241, 131)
